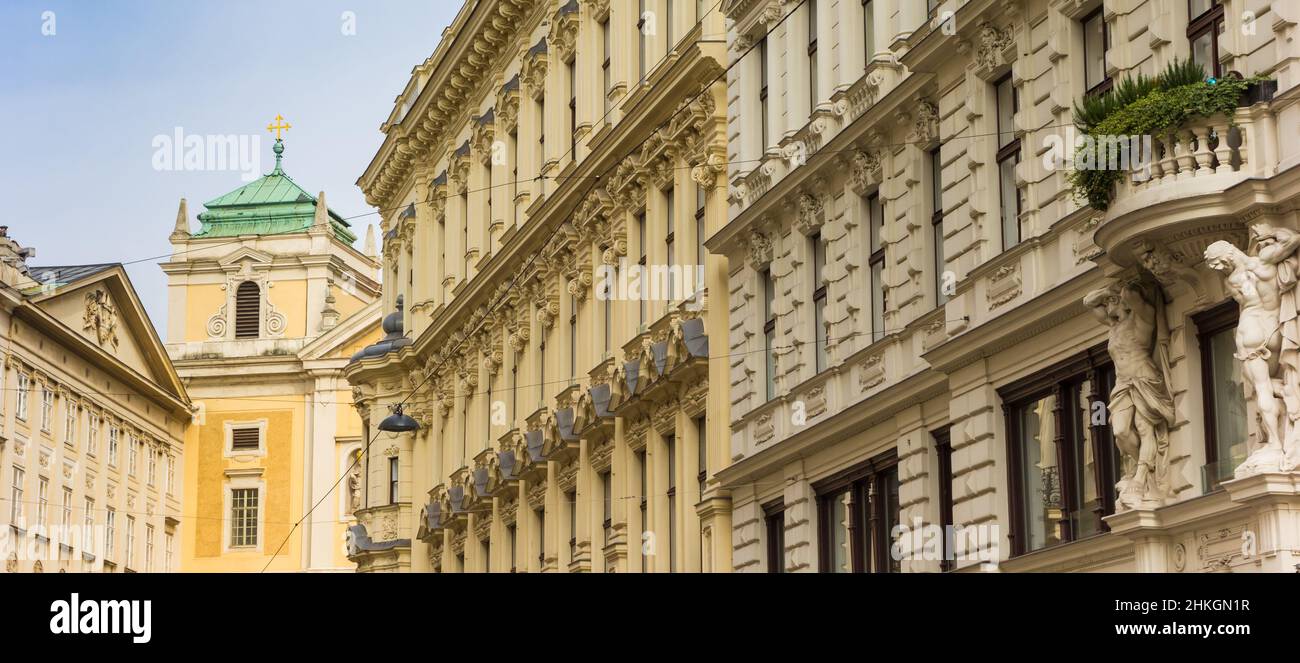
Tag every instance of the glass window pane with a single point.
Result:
(1040, 474)
(1203, 51)
(1006, 112)
(877, 300)
(1198, 7)
(1086, 518)
(1229, 405)
(1010, 198)
(1094, 48)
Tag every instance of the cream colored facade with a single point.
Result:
(316, 303)
(560, 430)
(960, 393)
(92, 424)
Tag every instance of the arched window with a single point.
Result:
(248, 310)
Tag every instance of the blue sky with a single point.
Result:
(81, 109)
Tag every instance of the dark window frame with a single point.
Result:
(1105, 84)
(774, 524)
(936, 224)
(763, 109)
(1005, 152)
(1095, 366)
(1209, 323)
(869, 532)
(821, 339)
(943, 456)
(769, 332)
(1210, 22)
(876, 247)
(813, 64)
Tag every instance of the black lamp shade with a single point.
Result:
(398, 422)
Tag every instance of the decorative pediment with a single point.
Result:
(532, 73)
(564, 31)
(483, 135)
(993, 46)
(864, 171)
(810, 215)
(758, 250)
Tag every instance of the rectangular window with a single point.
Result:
(571, 499)
(571, 78)
(541, 136)
(541, 537)
(464, 231)
(128, 560)
(670, 237)
(392, 480)
(513, 141)
(42, 500)
(16, 498)
(88, 526)
(1063, 462)
(645, 525)
(869, 30)
(512, 534)
(110, 523)
(932, 7)
(670, 443)
(541, 368)
(938, 264)
(92, 433)
(69, 423)
(702, 444)
(641, 30)
(943, 454)
(641, 237)
(132, 452)
(514, 389)
(245, 439)
(24, 385)
(1204, 26)
(1008, 104)
(606, 80)
(769, 333)
(876, 225)
(148, 548)
(243, 517)
(573, 339)
(813, 92)
(607, 503)
(171, 473)
(114, 436)
(819, 301)
(857, 515)
(774, 524)
(763, 110)
(1225, 408)
(66, 519)
(701, 233)
(47, 409)
(168, 547)
(1096, 41)
(153, 466)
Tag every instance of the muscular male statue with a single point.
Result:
(1268, 338)
(1141, 406)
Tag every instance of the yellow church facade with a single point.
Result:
(267, 300)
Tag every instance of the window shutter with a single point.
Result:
(248, 310)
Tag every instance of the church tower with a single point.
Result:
(267, 300)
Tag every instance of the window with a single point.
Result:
(42, 500)
(876, 225)
(66, 518)
(645, 525)
(1204, 26)
(541, 537)
(769, 333)
(571, 499)
(168, 546)
(607, 499)
(114, 435)
(243, 517)
(248, 316)
(512, 533)
(571, 78)
(869, 29)
(670, 237)
(762, 96)
(3, 392)
(943, 455)
(245, 439)
(541, 136)
(171, 473)
(153, 466)
(670, 443)
(47, 409)
(513, 140)
(16, 498)
(392, 480)
(541, 367)
(932, 7)
(88, 526)
(92, 433)
(701, 234)
(606, 81)
(813, 95)
(110, 522)
(129, 558)
(514, 389)
(1063, 461)
(131, 455)
(819, 301)
(148, 548)
(573, 339)
(1225, 401)
(69, 423)
(464, 230)
(702, 442)
(774, 523)
(857, 514)
(1008, 100)
(24, 385)
(641, 39)
(668, 18)
(936, 226)
(642, 301)
(1096, 41)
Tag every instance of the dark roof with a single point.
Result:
(60, 275)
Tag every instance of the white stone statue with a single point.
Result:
(1141, 406)
(354, 484)
(1263, 282)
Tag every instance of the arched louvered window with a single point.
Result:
(248, 309)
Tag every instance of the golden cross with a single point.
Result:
(277, 128)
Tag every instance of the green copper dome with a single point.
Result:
(271, 205)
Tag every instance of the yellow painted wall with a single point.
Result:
(201, 303)
(205, 480)
(290, 299)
